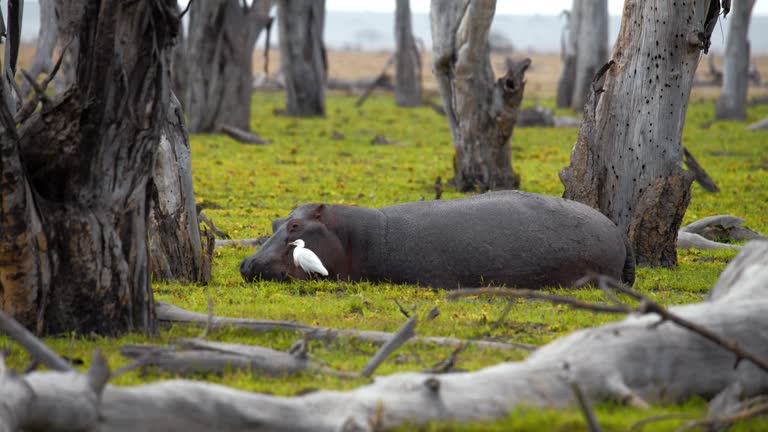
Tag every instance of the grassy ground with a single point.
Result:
(332, 160)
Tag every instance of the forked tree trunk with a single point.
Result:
(174, 234)
(481, 112)
(408, 60)
(47, 37)
(732, 103)
(75, 183)
(221, 38)
(302, 54)
(592, 48)
(568, 55)
(628, 156)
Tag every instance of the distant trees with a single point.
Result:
(303, 56)
(584, 51)
(481, 111)
(732, 103)
(219, 77)
(407, 58)
(74, 176)
(627, 159)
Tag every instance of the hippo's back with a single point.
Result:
(511, 237)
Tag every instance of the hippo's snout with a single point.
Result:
(254, 267)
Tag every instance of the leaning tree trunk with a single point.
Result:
(569, 49)
(74, 179)
(221, 38)
(408, 64)
(628, 156)
(174, 234)
(302, 54)
(47, 37)
(591, 48)
(732, 103)
(481, 112)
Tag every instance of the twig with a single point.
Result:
(208, 324)
(699, 173)
(203, 217)
(40, 92)
(448, 363)
(186, 9)
(432, 314)
(405, 332)
(503, 315)
(586, 407)
(638, 426)
(243, 136)
(557, 299)
(402, 309)
(29, 106)
(36, 348)
(727, 420)
(375, 83)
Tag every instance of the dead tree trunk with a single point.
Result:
(302, 54)
(732, 103)
(481, 112)
(628, 156)
(47, 37)
(74, 179)
(221, 38)
(408, 60)
(569, 50)
(67, 14)
(591, 48)
(174, 234)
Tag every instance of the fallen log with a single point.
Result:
(700, 175)
(170, 314)
(191, 356)
(760, 124)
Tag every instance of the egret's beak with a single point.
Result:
(293, 243)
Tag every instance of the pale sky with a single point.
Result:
(516, 7)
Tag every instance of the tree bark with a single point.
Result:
(481, 113)
(303, 56)
(732, 103)
(174, 232)
(75, 177)
(627, 159)
(221, 38)
(569, 48)
(47, 37)
(408, 60)
(592, 48)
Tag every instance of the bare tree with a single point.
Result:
(47, 37)
(585, 49)
(408, 63)
(221, 38)
(592, 48)
(569, 48)
(481, 112)
(732, 103)
(628, 156)
(303, 56)
(74, 177)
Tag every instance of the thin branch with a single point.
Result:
(531, 294)
(745, 414)
(448, 364)
(208, 324)
(405, 332)
(186, 9)
(35, 346)
(638, 426)
(586, 407)
(401, 308)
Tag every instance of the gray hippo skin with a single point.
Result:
(511, 238)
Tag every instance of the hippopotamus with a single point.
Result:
(510, 238)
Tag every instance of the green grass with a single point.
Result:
(244, 187)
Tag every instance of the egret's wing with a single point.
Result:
(310, 263)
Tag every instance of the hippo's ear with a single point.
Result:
(276, 223)
(319, 210)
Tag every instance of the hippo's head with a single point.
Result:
(312, 223)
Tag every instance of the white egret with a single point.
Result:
(306, 259)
